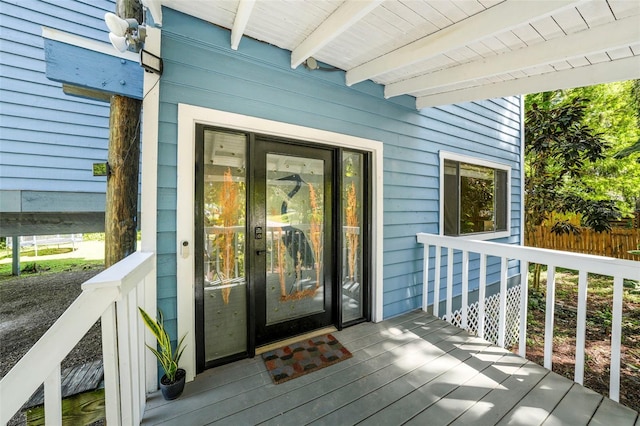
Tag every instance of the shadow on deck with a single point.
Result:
(412, 369)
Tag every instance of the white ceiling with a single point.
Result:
(443, 51)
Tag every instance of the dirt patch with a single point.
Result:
(598, 340)
(30, 304)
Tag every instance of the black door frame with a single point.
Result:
(269, 333)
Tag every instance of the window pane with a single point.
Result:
(352, 225)
(451, 198)
(224, 246)
(501, 200)
(476, 199)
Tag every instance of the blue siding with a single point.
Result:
(201, 69)
(48, 140)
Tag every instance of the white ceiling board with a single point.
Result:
(338, 22)
(547, 28)
(570, 21)
(596, 12)
(624, 69)
(467, 41)
(624, 8)
(623, 52)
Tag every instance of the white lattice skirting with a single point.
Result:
(492, 308)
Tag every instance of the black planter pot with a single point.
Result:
(172, 390)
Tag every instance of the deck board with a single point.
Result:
(412, 369)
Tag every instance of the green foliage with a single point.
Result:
(167, 357)
(559, 147)
(613, 112)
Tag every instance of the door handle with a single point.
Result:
(259, 252)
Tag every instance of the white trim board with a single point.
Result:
(87, 43)
(188, 117)
(149, 194)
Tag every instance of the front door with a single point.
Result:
(281, 242)
(292, 239)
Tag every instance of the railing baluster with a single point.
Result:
(581, 319)
(124, 361)
(449, 284)
(425, 279)
(53, 398)
(616, 337)
(465, 289)
(549, 314)
(524, 305)
(482, 290)
(140, 348)
(436, 284)
(132, 326)
(502, 316)
(110, 363)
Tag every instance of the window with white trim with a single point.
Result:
(474, 197)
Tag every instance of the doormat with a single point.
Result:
(303, 357)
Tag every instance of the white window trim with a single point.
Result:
(188, 117)
(445, 155)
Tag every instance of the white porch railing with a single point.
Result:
(513, 256)
(112, 296)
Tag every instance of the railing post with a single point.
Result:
(524, 305)
(124, 351)
(110, 362)
(53, 398)
(436, 283)
(425, 278)
(482, 294)
(449, 300)
(465, 289)
(581, 319)
(502, 311)
(549, 313)
(616, 337)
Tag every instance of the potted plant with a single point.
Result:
(172, 382)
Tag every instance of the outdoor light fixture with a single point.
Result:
(125, 34)
(150, 62)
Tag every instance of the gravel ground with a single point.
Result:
(30, 304)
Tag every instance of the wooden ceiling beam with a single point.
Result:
(494, 20)
(599, 39)
(240, 23)
(604, 72)
(350, 12)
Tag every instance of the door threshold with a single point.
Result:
(280, 343)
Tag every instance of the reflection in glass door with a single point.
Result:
(223, 294)
(293, 276)
(354, 221)
(295, 223)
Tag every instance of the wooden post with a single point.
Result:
(15, 265)
(121, 216)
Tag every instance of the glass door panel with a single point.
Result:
(353, 220)
(295, 223)
(224, 294)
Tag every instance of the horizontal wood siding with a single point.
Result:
(48, 140)
(257, 80)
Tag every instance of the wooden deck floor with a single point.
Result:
(413, 369)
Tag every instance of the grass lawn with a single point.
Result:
(50, 266)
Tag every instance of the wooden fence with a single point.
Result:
(615, 243)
